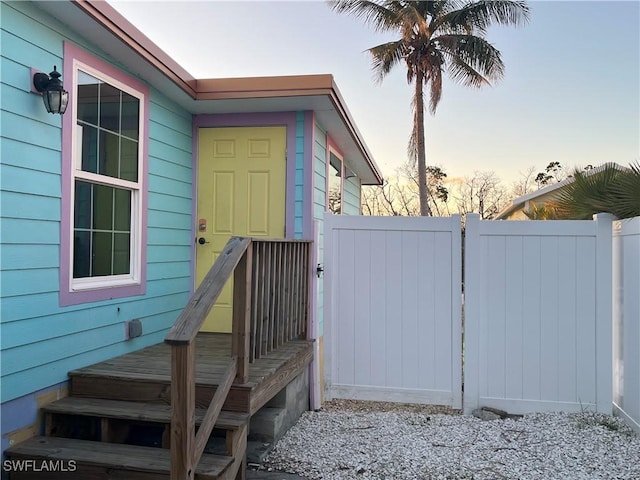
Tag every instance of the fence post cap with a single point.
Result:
(604, 216)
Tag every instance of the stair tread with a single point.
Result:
(112, 455)
(147, 412)
(205, 379)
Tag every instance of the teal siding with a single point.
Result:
(351, 204)
(42, 341)
(319, 205)
(319, 173)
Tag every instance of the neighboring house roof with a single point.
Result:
(520, 203)
(123, 41)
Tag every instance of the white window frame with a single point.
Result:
(136, 188)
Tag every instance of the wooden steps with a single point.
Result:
(99, 435)
(149, 388)
(116, 424)
(118, 440)
(86, 460)
(133, 411)
(145, 376)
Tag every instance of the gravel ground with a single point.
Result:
(371, 440)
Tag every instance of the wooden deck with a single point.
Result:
(145, 375)
(158, 412)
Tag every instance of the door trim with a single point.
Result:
(285, 119)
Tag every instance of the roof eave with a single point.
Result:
(229, 88)
(288, 86)
(127, 33)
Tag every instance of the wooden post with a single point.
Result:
(183, 423)
(242, 314)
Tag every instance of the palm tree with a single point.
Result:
(436, 36)
(610, 188)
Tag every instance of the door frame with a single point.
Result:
(242, 193)
(249, 120)
(297, 124)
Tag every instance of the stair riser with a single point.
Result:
(238, 399)
(136, 432)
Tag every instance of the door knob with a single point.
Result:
(202, 241)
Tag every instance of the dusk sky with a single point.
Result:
(571, 92)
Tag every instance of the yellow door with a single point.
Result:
(241, 191)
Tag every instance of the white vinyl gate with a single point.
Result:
(392, 309)
(538, 315)
(538, 305)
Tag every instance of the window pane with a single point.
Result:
(106, 143)
(102, 207)
(109, 120)
(81, 254)
(89, 149)
(87, 98)
(110, 107)
(101, 254)
(130, 116)
(128, 160)
(82, 208)
(121, 249)
(109, 154)
(102, 230)
(334, 185)
(122, 220)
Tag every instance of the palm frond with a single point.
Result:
(465, 74)
(473, 60)
(590, 193)
(385, 57)
(373, 13)
(477, 16)
(435, 8)
(435, 88)
(626, 191)
(412, 20)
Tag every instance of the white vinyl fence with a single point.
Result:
(392, 309)
(551, 313)
(538, 313)
(626, 320)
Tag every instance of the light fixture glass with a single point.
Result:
(55, 97)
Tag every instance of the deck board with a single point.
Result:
(145, 375)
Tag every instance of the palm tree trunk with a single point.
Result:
(420, 146)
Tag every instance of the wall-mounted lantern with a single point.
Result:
(55, 97)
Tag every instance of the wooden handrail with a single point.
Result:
(270, 307)
(194, 314)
